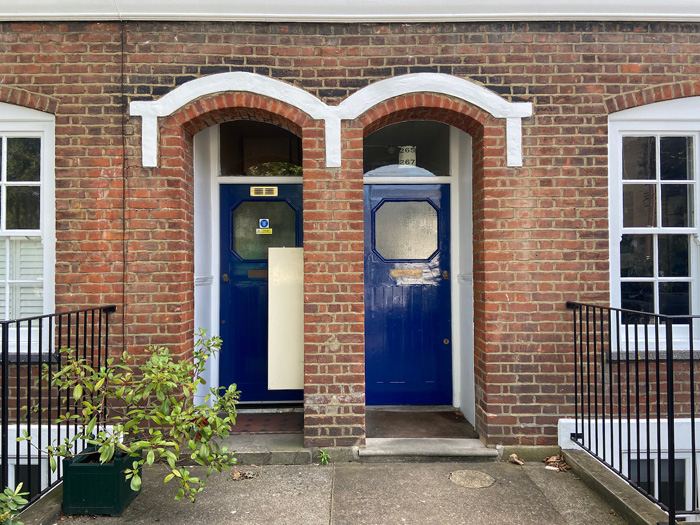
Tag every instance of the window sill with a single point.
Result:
(33, 358)
(642, 356)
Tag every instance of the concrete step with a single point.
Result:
(425, 449)
(288, 449)
(269, 449)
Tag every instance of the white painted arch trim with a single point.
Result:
(351, 108)
(384, 11)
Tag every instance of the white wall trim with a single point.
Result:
(222, 82)
(352, 107)
(384, 11)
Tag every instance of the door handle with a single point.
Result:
(225, 278)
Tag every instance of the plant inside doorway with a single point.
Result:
(141, 410)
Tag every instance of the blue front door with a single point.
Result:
(249, 225)
(408, 349)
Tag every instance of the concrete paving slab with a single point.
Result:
(571, 497)
(422, 493)
(284, 495)
(453, 493)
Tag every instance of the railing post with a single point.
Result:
(671, 424)
(5, 406)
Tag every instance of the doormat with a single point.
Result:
(281, 423)
(418, 424)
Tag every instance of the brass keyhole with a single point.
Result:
(225, 277)
(446, 341)
(445, 275)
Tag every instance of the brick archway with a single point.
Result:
(689, 88)
(489, 172)
(27, 99)
(161, 214)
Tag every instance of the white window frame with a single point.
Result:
(17, 121)
(679, 117)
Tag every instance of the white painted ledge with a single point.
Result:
(348, 12)
(351, 108)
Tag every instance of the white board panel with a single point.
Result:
(285, 350)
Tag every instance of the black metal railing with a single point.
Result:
(29, 403)
(636, 400)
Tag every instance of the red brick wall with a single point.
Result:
(540, 230)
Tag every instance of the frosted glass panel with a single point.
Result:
(406, 230)
(251, 238)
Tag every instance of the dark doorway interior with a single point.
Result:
(425, 422)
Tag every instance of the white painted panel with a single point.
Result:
(285, 369)
(347, 12)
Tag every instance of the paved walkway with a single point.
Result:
(373, 494)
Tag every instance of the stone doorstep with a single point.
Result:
(417, 449)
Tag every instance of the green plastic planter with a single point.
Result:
(91, 487)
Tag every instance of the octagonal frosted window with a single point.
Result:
(405, 230)
(250, 241)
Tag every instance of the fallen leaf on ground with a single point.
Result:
(557, 463)
(513, 458)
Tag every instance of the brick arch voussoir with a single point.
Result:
(22, 97)
(649, 95)
(208, 111)
(424, 106)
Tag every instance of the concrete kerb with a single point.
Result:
(627, 502)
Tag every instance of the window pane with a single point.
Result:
(259, 149)
(642, 473)
(638, 158)
(679, 484)
(673, 256)
(23, 207)
(23, 159)
(406, 230)
(408, 149)
(249, 242)
(639, 205)
(638, 297)
(676, 205)
(26, 259)
(637, 256)
(676, 158)
(26, 300)
(674, 298)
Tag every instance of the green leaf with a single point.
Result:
(150, 458)
(135, 483)
(52, 462)
(168, 478)
(91, 426)
(77, 392)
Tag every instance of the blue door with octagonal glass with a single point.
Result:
(253, 219)
(408, 347)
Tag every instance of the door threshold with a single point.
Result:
(412, 408)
